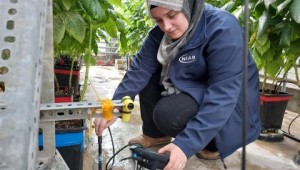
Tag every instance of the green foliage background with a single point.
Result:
(79, 25)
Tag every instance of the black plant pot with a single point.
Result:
(64, 94)
(272, 110)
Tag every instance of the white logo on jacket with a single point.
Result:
(187, 58)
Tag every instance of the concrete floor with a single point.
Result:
(260, 155)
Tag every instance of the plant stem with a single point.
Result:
(71, 73)
(297, 75)
(87, 65)
(264, 82)
(56, 83)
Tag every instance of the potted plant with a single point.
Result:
(77, 27)
(274, 42)
(66, 78)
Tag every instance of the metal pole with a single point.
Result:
(46, 155)
(22, 36)
(245, 82)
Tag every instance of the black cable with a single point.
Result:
(100, 152)
(290, 136)
(245, 81)
(112, 143)
(291, 123)
(127, 158)
(116, 154)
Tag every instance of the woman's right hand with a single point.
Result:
(101, 124)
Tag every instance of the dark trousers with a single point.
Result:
(166, 115)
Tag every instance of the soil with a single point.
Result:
(63, 91)
(68, 124)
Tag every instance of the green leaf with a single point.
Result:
(278, 27)
(274, 39)
(270, 55)
(112, 14)
(288, 65)
(263, 48)
(275, 20)
(68, 44)
(103, 35)
(252, 38)
(57, 7)
(58, 29)
(295, 12)
(115, 2)
(295, 31)
(94, 10)
(283, 6)
(95, 46)
(294, 49)
(75, 24)
(229, 6)
(123, 40)
(272, 68)
(259, 62)
(263, 23)
(111, 28)
(238, 13)
(276, 3)
(259, 8)
(120, 25)
(262, 40)
(285, 38)
(67, 4)
(268, 3)
(89, 60)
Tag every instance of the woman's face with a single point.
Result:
(173, 23)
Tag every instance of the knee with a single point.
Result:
(166, 122)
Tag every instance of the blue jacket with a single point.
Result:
(209, 68)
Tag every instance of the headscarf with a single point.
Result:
(168, 49)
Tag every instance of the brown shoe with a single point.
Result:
(208, 155)
(147, 141)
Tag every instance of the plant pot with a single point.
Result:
(69, 140)
(64, 94)
(272, 109)
(63, 75)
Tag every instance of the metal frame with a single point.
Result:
(48, 157)
(22, 37)
(70, 111)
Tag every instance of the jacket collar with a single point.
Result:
(200, 33)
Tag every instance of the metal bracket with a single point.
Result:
(71, 111)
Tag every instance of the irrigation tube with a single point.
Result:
(245, 81)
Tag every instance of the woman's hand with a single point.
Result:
(101, 124)
(177, 158)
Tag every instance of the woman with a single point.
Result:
(188, 75)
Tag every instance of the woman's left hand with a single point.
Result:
(101, 124)
(177, 158)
